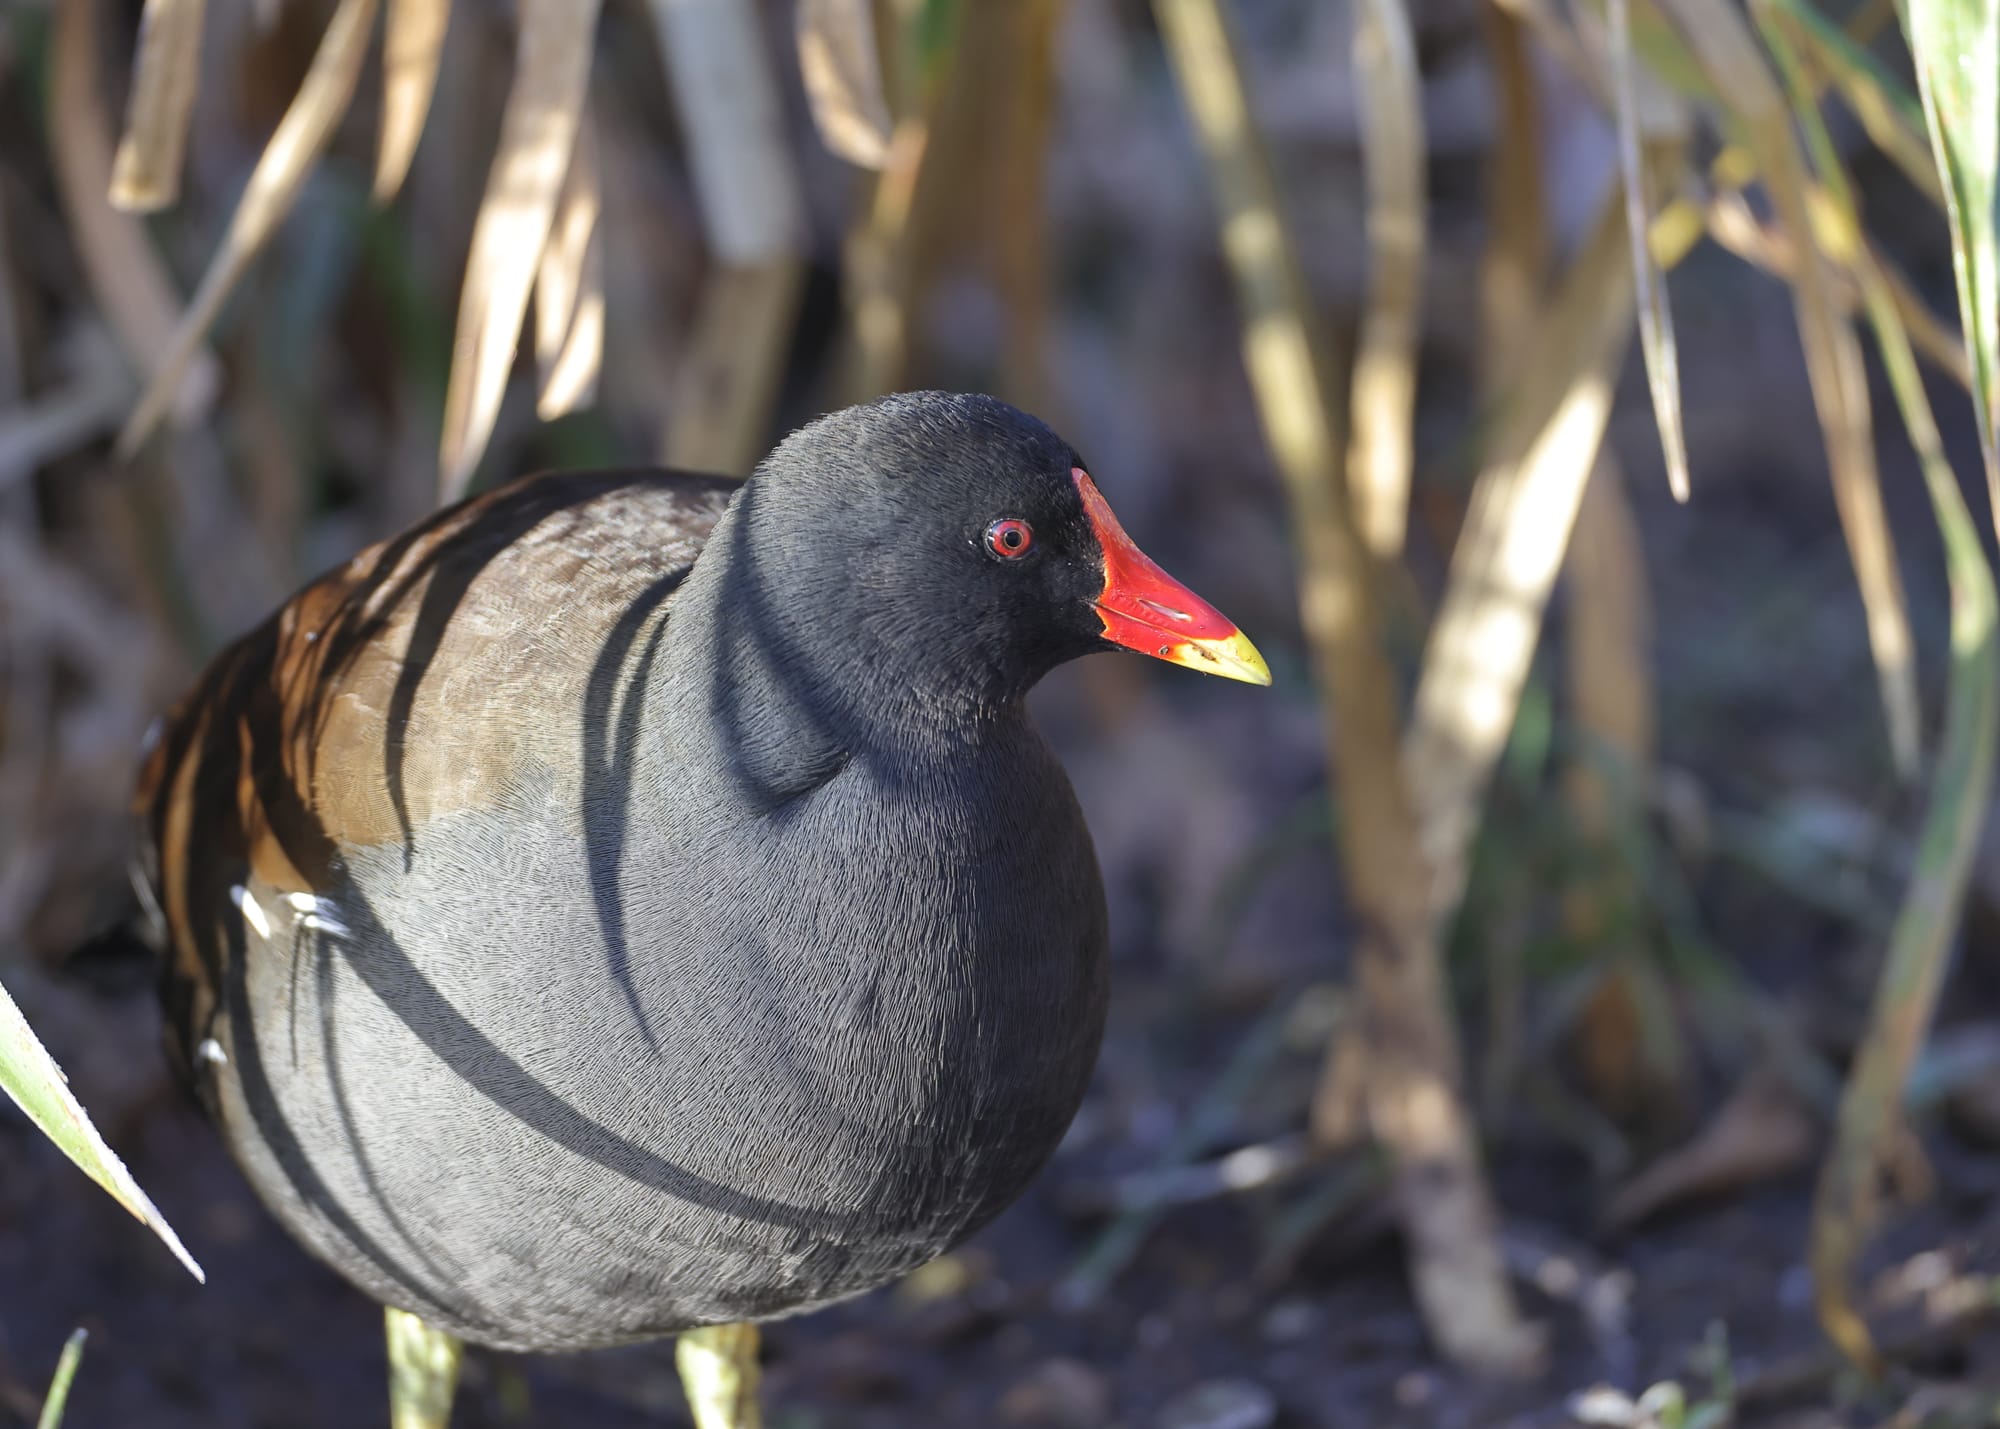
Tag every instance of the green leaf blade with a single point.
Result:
(37, 1085)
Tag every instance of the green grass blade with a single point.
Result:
(1920, 943)
(30, 1076)
(58, 1395)
(1956, 47)
(1892, 116)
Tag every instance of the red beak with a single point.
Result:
(1145, 609)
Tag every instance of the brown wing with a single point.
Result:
(416, 678)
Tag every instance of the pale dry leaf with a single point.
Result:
(165, 74)
(274, 186)
(537, 135)
(569, 290)
(412, 47)
(126, 277)
(1761, 1132)
(842, 71)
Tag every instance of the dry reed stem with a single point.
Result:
(412, 50)
(841, 68)
(876, 268)
(1515, 260)
(1870, 1138)
(739, 149)
(1733, 224)
(274, 186)
(125, 274)
(1025, 114)
(1544, 443)
(1871, 93)
(1870, 1128)
(1382, 405)
(1609, 681)
(1412, 1064)
(166, 71)
(728, 376)
(1736, 69)
(1610, 630)
(976, 200)
(753, 212)
(569, 290)
(538, 131)
(1656, 325)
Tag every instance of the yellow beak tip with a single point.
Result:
(1232, 657)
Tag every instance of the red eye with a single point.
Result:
(1009, 539)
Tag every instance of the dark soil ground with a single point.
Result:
(1193, 1336)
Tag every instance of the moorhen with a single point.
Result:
(632, 903)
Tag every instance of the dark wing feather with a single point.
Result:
(411, 680)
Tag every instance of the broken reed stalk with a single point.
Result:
(1412, 1084)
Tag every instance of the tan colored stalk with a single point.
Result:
(1735, 67)
(274, 186)
(1411, 1058)
(1545, 440)
(538, 131)
(1383, 402)
(412, 50)
(569, 290)
(753, 213)
(125, 274)
(165, 74)
(1870, 1132)
(840, 65)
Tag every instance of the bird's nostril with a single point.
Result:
(1166, 610)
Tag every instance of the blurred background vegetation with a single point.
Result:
(1571, 399)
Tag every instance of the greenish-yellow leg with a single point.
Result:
(423, 1372)
(718, 1366)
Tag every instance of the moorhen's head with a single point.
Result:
(948, 550)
